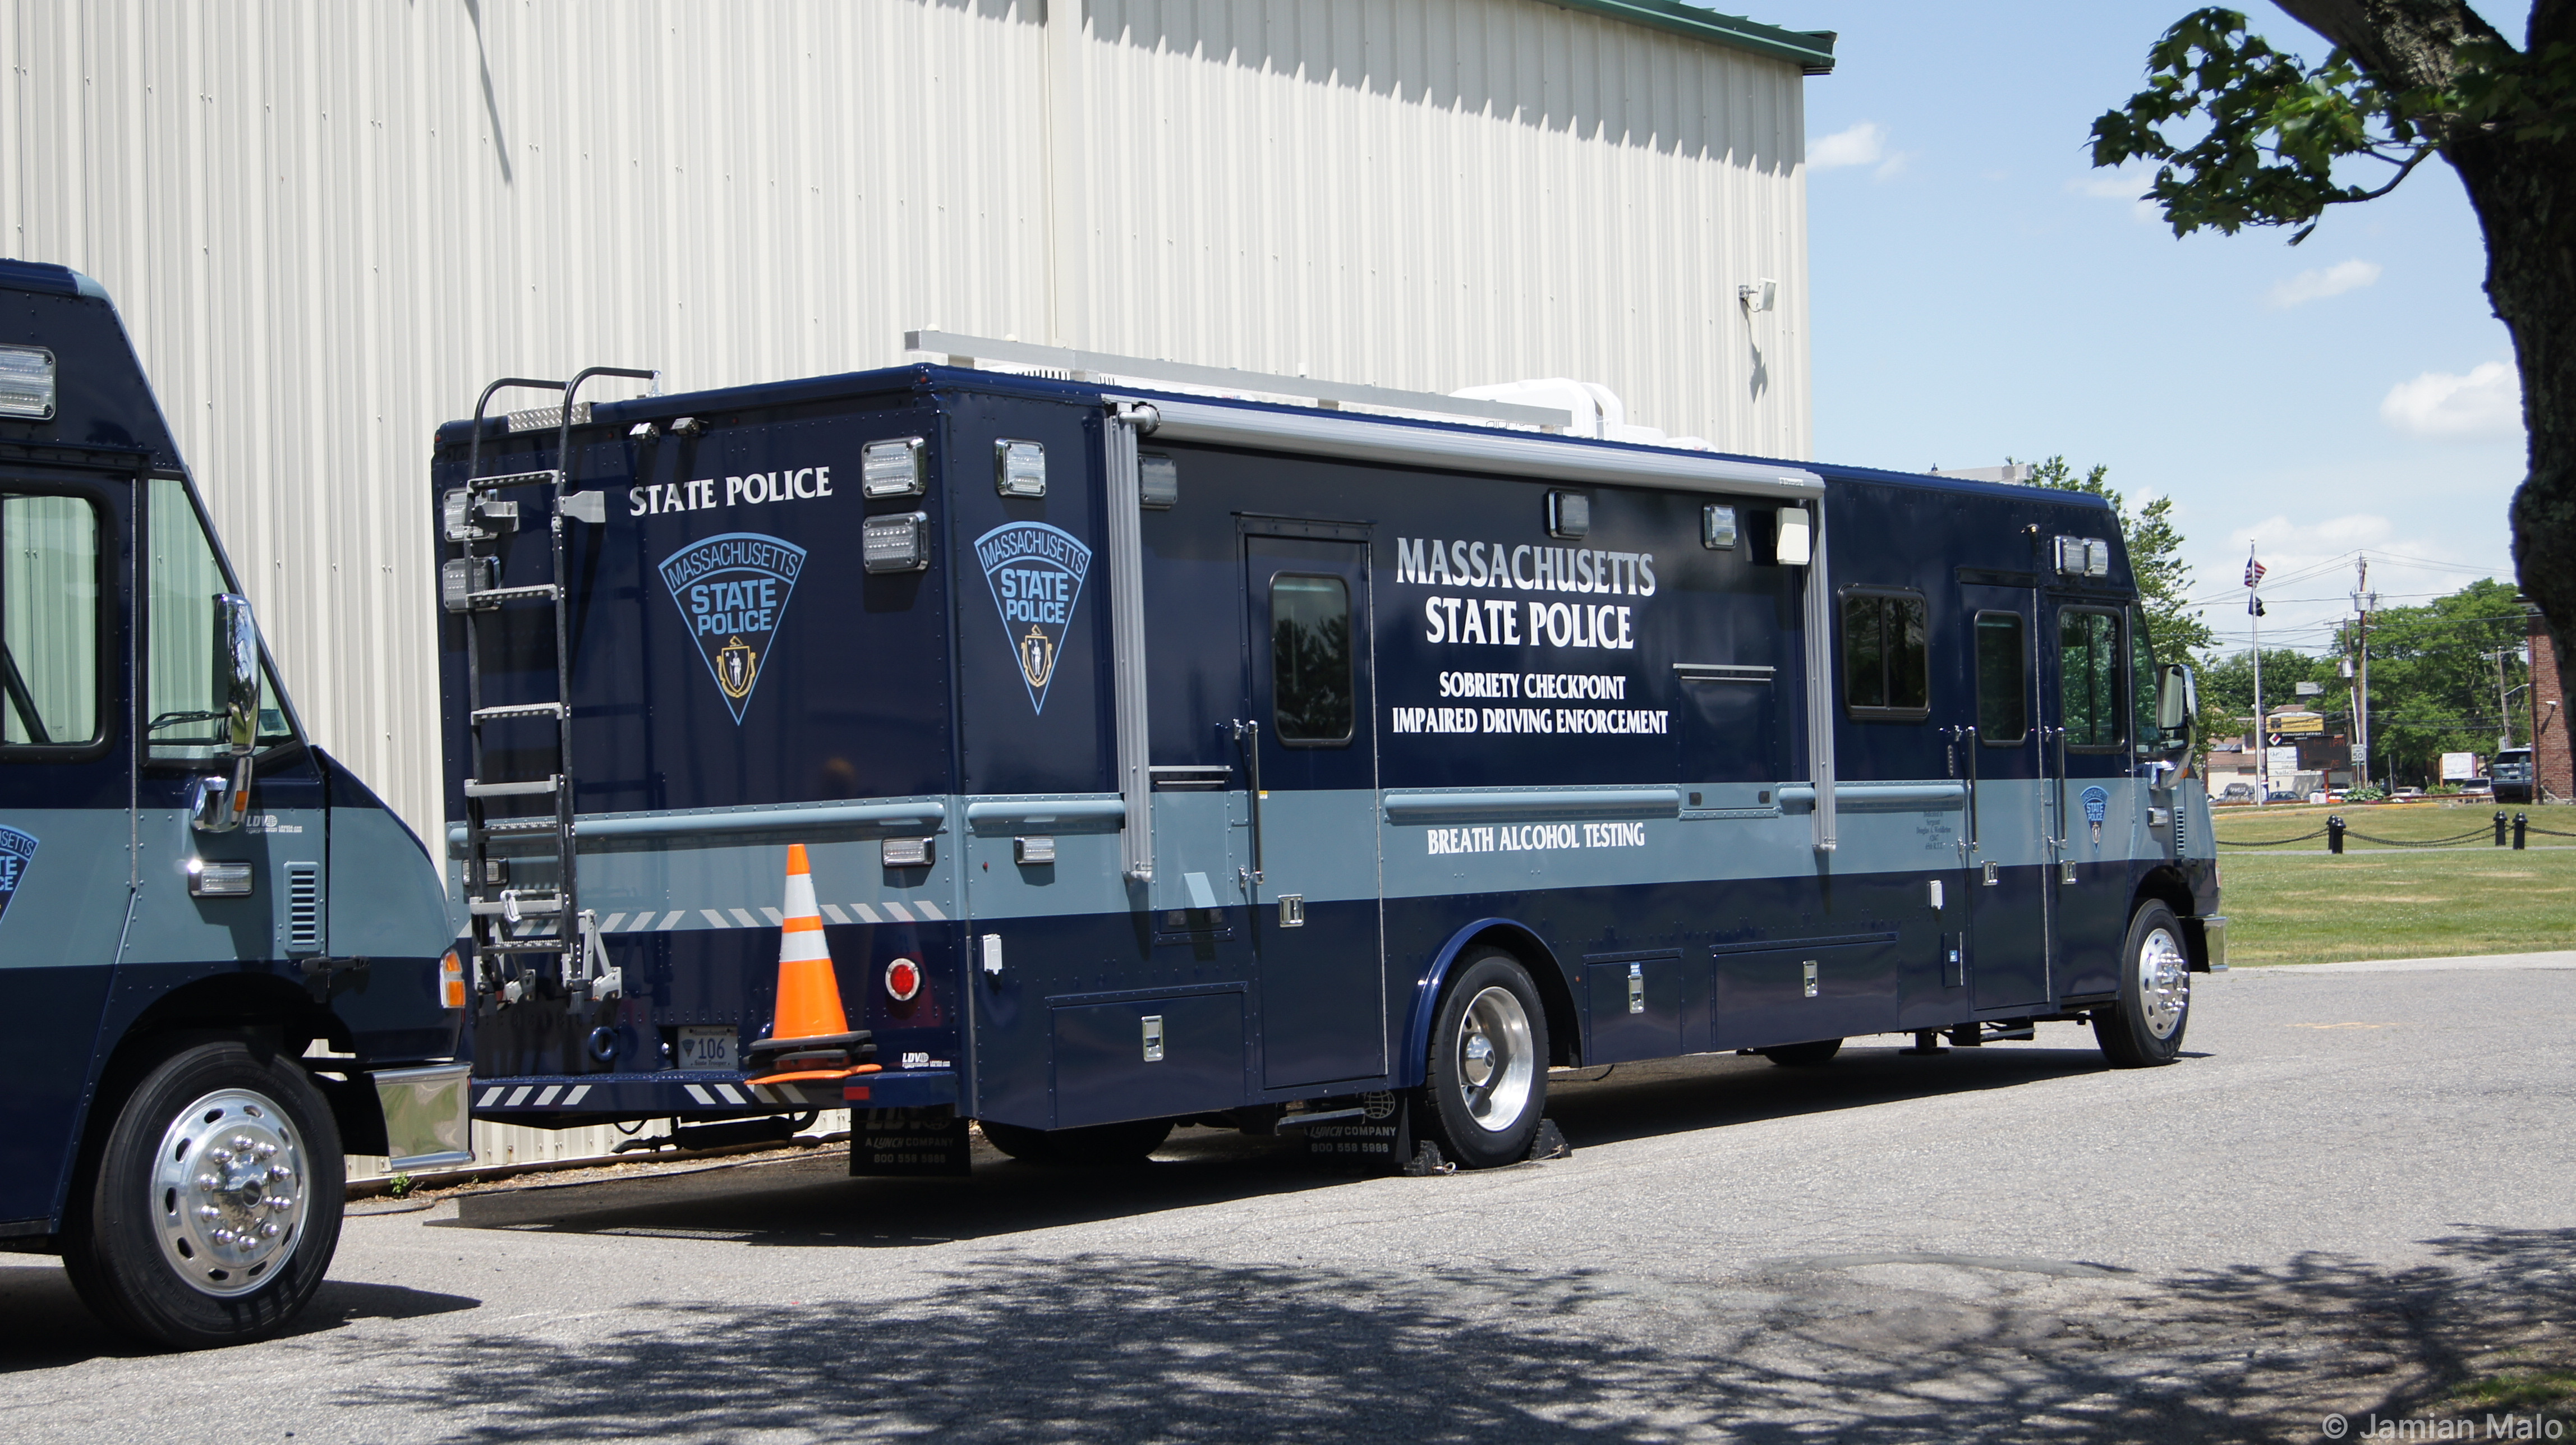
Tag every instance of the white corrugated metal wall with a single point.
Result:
(328, 223)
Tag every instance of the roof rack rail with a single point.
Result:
(1067, 363)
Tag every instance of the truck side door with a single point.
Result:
(1314, 901)
(2009, 862)
(66, 810)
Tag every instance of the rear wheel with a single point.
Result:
(1488, 1065)
(214, 1208)
(1804, 1056)
(2145, 1028)
(1126, 1143)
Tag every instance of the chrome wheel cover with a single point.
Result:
(228, 1192)
(2164, 983)
(1497, 1064)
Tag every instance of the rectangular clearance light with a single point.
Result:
(900, 543)
(896, 468)
(906, 852)
(1158, 483)
(1019, 468)
(26, 383)
(1717, 528)
(1795, 545)
(1569, 515)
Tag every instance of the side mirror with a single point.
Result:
(2177, 704)
(220, 805)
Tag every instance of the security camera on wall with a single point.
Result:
(1761, 296)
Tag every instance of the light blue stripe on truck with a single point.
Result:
(1435, 842)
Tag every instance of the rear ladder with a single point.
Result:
(522, 946)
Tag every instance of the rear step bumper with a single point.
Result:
(554, 1101)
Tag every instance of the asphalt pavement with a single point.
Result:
(2357, 1189)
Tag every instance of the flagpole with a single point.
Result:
(2262, 737)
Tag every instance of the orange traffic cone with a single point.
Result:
(811, 1038)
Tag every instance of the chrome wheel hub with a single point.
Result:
(2164, 983)
(228, 1191)
(1496, 1063)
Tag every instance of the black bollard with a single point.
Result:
(2334, 832)
(2520, 821)
(2499, 827)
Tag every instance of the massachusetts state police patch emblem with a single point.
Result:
(1035, 572)
(732, 593)
(17, 850)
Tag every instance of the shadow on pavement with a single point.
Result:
(1095, 1348)
(43, 1323)
(812, 1201)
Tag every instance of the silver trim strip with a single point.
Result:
(1014, 812)
(1820, 683)
(1507, 453)
(1723, 672)
(1127, 634)
(1534, 804)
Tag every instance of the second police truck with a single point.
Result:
(1157, 757)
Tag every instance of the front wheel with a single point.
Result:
(1488, 1065)
(1126, 1143)
(2145, 1028)
(215, 1203)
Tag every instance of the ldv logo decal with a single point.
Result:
(732, 592)
(1035, 572)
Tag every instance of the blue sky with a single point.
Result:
(1982, 292)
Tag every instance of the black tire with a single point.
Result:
(1127, 1143)
(140, 1250)
(1483, 1113)
(2145, 1028)
(1804, 1056)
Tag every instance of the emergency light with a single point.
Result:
(899, 467)
(27, 383)
(900, 543)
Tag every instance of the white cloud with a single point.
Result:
(1864, 144)
(1895, 162)
(2484, 405)
(2128, 183)
(2317, 285)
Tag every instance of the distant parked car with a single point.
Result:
(2236, 793)
(2513, 775)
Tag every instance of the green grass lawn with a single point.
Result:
(2287, 905)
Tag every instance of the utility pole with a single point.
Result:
(2504, 701)
(2363, 602)
(2262, 734)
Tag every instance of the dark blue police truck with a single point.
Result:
(226, 961)
(1170, 757)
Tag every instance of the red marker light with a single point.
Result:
(903, 979)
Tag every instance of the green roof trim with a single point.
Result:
(1811, 50)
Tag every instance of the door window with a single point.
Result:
(1310, 660)
(2089, 677)
(1885, 669)
(51, 555)
(2003, 678)
(183, 697)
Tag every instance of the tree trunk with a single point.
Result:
(2524, 192)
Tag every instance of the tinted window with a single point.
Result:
(49, 620)
(1310, 660)
(2088, 678)
(2003, 678)
(1885, 669)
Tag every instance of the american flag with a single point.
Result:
(2253, 572)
